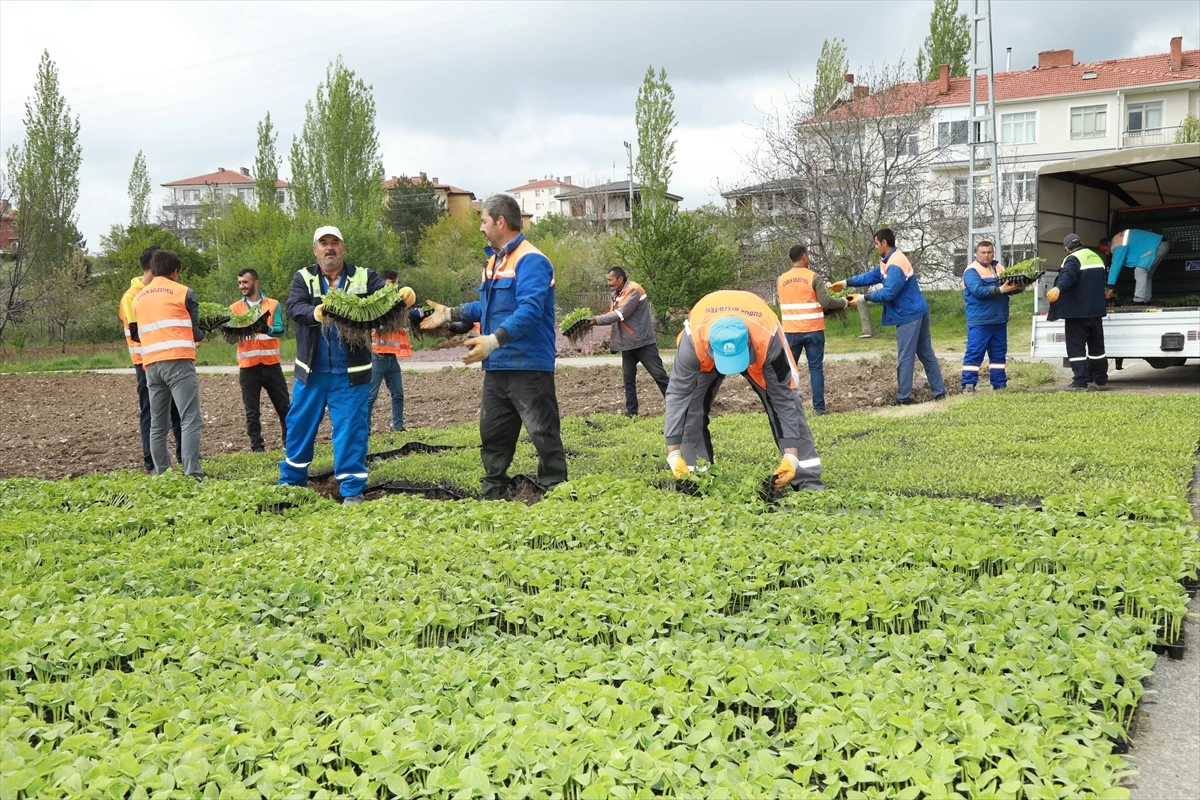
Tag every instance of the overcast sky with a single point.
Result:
(482, 95)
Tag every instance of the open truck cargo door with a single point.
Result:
(1151, 188)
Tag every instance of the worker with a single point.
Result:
(986, 298)
(168, 317)
(1142, 251)
(385, 350)
(903, 306)
(730, 333)
(258, 361)
(1077, 298)
(632, 335)
(330, 373)
(516, 347)
(1105, 248)
(128, 319)
(803, 300)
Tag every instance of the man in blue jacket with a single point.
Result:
(1077, 298)
(986, 300)
(1142, 251)
(516, 346)
(903, 306)
(329, 373)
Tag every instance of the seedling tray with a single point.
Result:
(1021, 280)
(234, 335)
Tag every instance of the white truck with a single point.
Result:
(1151, 188)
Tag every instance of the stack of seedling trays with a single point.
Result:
(212, 316)
(240, 327)
(1024, 273)
(355, 316)
(576, 325)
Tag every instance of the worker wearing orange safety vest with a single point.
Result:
(259, 367)
(727, 333)
(168, 329)
(128, 317)
(803, 300)
(386, 349)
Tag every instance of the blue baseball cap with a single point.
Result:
(729, 341)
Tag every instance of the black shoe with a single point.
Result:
(1098, 387)
(258, 449)
(1076, 387)
(969, 389)
(937, 398)
(820, 412)
(896, 401)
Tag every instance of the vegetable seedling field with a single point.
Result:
(970, 611)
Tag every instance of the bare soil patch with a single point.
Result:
(56, 426)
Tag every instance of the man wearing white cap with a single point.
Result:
(329, 373)
(728, 333)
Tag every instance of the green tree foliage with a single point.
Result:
(832, 66)
(1189, 131)
(948, 42)
(454, 245)
(120, 259)
(336, 167)
(654, 114)
(266, 164)
(412, 206)
(580, 261)
(43, 185)
(139, 192)
(554, 225)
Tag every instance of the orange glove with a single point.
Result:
(837, 287)
(786, 471)
(408, 296)
(319, 313)
(1052, 295)
(679, 467)
(853, 300)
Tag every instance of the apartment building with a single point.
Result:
(455, 202)
(186, 197)
(539, 197)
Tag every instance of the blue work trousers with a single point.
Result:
(812, 344)
(386, 368)
(913, 341)
(347, 413)
(993, 340)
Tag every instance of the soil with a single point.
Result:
(58, 426)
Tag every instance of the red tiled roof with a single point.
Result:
(1117, 73)
(540, 185)
(228, 176)
(390, 183)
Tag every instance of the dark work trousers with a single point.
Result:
(254, 380)
(510, 398)
(144, 421)
(649, 358)
(1085, 351)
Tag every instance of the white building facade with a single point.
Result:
(538, 197)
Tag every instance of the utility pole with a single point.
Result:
(981, 133)
(629, 153)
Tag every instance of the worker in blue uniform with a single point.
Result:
(986, 297)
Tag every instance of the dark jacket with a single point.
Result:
(303, 300)
(1080, 283)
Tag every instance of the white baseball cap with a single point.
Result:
(326, 230)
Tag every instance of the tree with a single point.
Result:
(336, 167)
(64, 293)
(654, 114)
(948, 42)
(455, 245)
(266, 165)
(43, 184)
(832, 67)
(1189, 131)
(412, 206)
(120, 259)
(139, 192)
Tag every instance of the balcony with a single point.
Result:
(1148, 137)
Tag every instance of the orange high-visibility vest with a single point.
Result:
(164, 324)
(508, 267)
(760, 321)
(263, 349)
(127, 315)
(985, 271)
(898, 259)
(391, 343)
(798, 304)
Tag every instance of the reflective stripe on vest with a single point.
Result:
(1087, 259)
(799, 308)
(355, 284)
(392, 343)
(508, 267)
(760, 322)
(618, 298)
(164, 324)
(263, 349)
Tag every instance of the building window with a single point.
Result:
(1018, 128)
(1019, 186)
(280, 197)
(1016, 253)
(960, 191)
(537, 192)
(538, 207)
(245, 195)
(1145, 116)
(949, 133)
(960, 258)
(900, 144)
(1089, 122)
(898, 197)
(191, 195)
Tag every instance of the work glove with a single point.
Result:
(408, 296)
(437, 318)
(481, 347)
(853, 300)
(319, 313)
(679, 467)
(785, 473)
(837, 287)
(1052, 295)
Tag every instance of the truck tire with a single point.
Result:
(1163, 363)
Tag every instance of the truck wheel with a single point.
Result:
(1163, 363)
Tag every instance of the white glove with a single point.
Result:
(439, 316)
(481, 348)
